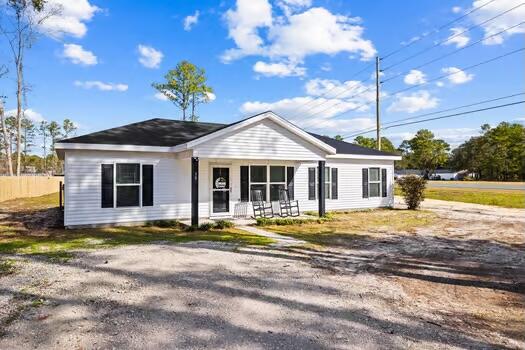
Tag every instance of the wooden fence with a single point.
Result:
(12, 187)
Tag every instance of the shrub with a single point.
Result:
(413, 190)
(206, 226)
(222, 224)
(164, 223)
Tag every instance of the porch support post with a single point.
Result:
(194, 191)
(321, 189)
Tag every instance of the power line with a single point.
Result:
(460, 70)
(419, 38)
(325, 94)
(444, 116)
(449, 38)
(452, 53)
(367, 130)
(434, 79)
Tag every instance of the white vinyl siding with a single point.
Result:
(262, 140)
(349, 185)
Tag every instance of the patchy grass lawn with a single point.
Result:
(500, 198)
(27, 229)
(346, 225)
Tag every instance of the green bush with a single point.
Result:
(222, 224)
(206, 226)
(413, 190)
(164, 223)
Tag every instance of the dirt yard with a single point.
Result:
(455, 282)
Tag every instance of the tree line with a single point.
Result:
(42, 135)
(498, 153)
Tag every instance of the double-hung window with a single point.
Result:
(330, 183)
(269, 179)
(127, 185)
(374, 182)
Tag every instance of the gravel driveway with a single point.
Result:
(221, 296)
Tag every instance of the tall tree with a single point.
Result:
(339, 138)
(497, 154)
(69, 128)
(5, 139)
(28, 136)
(43, 129)
(185, 86)
(425, 152)
(26, 16)
(370, 142)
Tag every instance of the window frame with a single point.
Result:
(268, 182)
(139, 185)
(327, 181)
(370, 182)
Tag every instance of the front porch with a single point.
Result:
(222, 188)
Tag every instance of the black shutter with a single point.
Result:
(290, 172)
(311, 183)
(147, 185)
(244, 184)
(383, 183)
(107, 186)
(365, 182)
(334, 183)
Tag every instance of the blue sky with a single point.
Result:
(95, 64)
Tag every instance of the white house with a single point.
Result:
(168, 169)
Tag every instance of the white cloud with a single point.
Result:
(211, 96)
(500, 23)
(440, 84)
(414, 102)
(95, 84)
(29, 113)
(323, 114)
(326, 67)
(457, 76)
(455, 136)
(457, 37)
(415, 77)
(161, 96)
(149, 57)
(278, 69)
(190, 21)
(77, 55)
(312, 31)
(71, 19)
(456, 9)
(243, 26)
(291, 6)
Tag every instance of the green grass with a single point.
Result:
(57, 244)
(500, 198)
(344, 227)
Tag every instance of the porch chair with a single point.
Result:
(288, 207)
(260, 208)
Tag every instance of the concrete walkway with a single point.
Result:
(281, 241)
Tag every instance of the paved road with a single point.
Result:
(479, 185)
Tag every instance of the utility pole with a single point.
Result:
(378, 124)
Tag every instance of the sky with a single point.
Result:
(96, 61)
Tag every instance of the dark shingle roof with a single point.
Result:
(168, 133)
(152, 132)
(343, 147)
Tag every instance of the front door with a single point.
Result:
(220, 191)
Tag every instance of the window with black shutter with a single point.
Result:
(334, 183)
(365, 182)
(290, 172)
(133, 182)
(311, 183)
(147, 185)
(107, 186)
(245, 184)
(383, 183)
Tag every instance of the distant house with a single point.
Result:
(448, 174)
(168, 169)
(398, 173)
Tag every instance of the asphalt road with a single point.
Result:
(519, 186)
